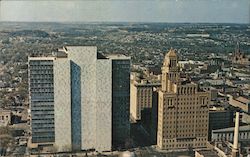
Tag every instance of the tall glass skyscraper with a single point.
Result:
(90, 99)
(120, 100)
(41, 92)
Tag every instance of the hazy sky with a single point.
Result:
(225, 11)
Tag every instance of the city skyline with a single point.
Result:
(173, 11)
(124, 89)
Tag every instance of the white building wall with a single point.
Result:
(86, 57)
(62, 104)
(103, 105)
(96, 96)
(133, 101)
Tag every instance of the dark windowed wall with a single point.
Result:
(41, 100)
(120, 102)
(219, 120)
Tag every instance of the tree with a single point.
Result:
(6, 138)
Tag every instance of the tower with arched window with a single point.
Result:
(182, 109)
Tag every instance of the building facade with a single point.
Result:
(80, 99)
(219, 117)
(141, 97)
(182, 109)
(96, 89)
(144, 102)
(241, 102)
(83, 100)
(41, 97)
(239, 57)
(149, 118)
(120, 100)
(227, 134)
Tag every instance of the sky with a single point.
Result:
(193, 11)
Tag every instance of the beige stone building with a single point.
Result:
(141, 96)
(240, 102)
(182, 109)
(239, 57)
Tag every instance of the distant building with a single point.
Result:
(199, 35)
(233, 141)
(240, 102)
(206, 153)
(227, 134)
(80, 99)
(41, 97)
(141, 96)
(219, 117)
(225, 89)
(219, 62)
(240, 57)
(149, 117)
(5, 117)
(246, 118)
(182, 111)
(144, 101)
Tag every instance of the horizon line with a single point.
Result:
(141, 22)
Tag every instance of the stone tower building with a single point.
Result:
(182, 109)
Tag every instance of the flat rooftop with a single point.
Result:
(243, 100)
(41, 58)
(117, 56)
(148, 84)
(63, 52)
(231, 129)
(79, 48)
(208, 153)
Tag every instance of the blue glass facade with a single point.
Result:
(41, 100)
(120, 102)
(75, 72)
